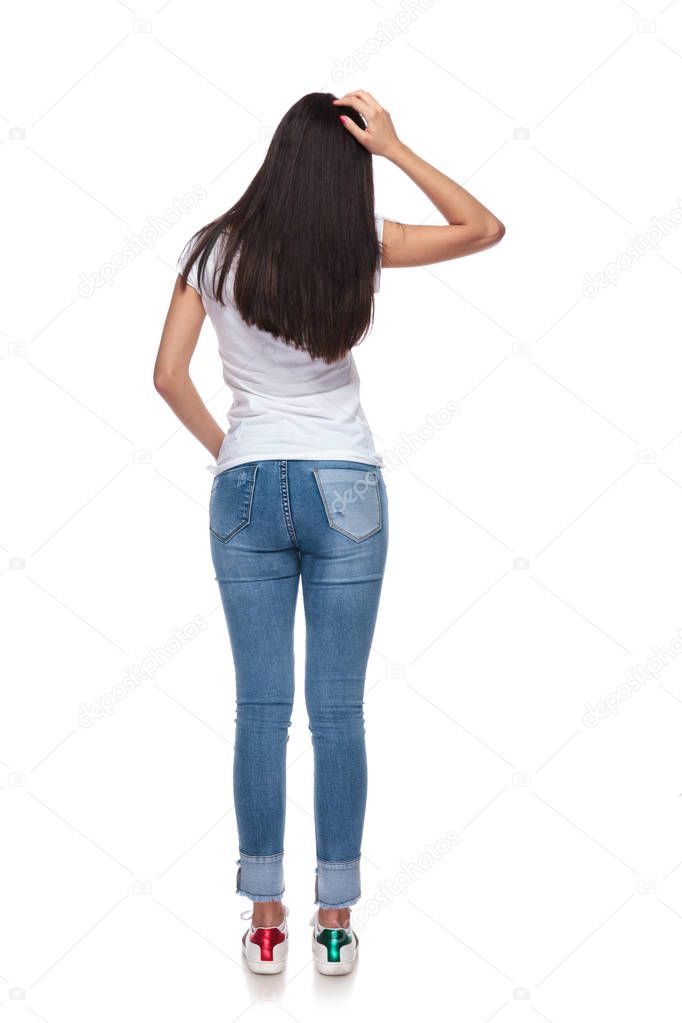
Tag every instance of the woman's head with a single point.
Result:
(311, 152)
(305, 233)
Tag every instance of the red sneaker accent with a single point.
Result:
(266, 938)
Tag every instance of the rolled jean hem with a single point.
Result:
(337, 884)
(260, 878)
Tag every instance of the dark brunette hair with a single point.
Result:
(306, 235)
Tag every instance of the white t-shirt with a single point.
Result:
(285, 404)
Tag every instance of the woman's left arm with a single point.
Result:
(179, 338)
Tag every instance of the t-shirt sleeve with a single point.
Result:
(380, 233)
(181, 263)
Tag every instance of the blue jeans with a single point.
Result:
(273, 522)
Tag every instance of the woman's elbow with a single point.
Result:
(166, 380)
(494, 232)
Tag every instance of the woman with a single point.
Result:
(298, 491)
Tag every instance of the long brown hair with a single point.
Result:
(306, 235)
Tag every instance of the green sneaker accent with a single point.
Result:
(334, 938)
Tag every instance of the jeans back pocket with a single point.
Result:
(351, 499)
(232, 501)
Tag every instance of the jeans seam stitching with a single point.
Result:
(338, 865)
(270, 858)
(284, 487)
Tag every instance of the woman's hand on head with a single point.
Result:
(379, 137)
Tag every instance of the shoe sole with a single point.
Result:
(334, 969)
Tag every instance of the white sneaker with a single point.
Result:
(266, 948)
(335, 949)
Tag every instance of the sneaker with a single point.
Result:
(266, 948)
(335, 949)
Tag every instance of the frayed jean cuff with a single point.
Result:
(261, 878)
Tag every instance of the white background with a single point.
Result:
(558, 895)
